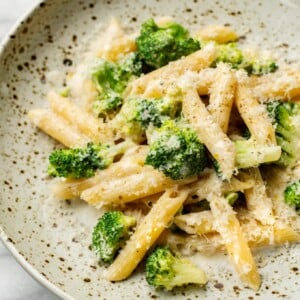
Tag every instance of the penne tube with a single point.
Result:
(146, 233)
(196, 223)
(209, 132)
(254, 115)
(118, 48)
(277, 179)
(131, 163)
(83, 121)
(217, 33)
(194, 62)
(207, 182)
(112, 32)
(212, 242)
(222, 96)
(256, 233)
(205, 81)
(58, 128)
(129, 188)
(202, 81)
(228, 226)
(262, 235)
(82, 88)
(283, 84)
(258, 202)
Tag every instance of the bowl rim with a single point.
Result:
(30, 269)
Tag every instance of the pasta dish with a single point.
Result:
(185, 142)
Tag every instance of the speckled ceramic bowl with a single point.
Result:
(51, 239)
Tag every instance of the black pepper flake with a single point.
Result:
(219, 286)
(67, 62)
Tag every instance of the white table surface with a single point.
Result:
(15, 283)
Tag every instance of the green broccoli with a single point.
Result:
(78, 163)
(110, 233)
(292, 195)
(137, 114)
(157, 46)
(165, 270)
(176, 150)
(286, 119)
(259, 66)
(249, 153)
(155, 111)
(231, 197)
(111, 79)
(231, 54)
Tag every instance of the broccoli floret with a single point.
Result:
(286, 119)
(292, 195)
(78, 163)
(259, 66)
(110, 233)
(165, 270)
(249, 153)
(176, 150)
(111, 79)
(155, 111)
(137, 114)
(157, 46)
(231, 54)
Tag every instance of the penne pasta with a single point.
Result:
(207, 181)
(256, 234)
(284, 84)
(57, 128)
(217, 33)
(254, 115)
(129, 188)
(196, 223)
(228, 226)
(209, 132)
(193, 62)
(210, 243)
(84, 122)
(118, 48)
(222, 96)
(147, 232)
(113, 32)
(132, 163)
(258, 202)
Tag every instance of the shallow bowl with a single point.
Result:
(52, 239)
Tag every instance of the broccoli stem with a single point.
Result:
(292, 195)
(231, 197)
(186, 272)
(250, 154)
